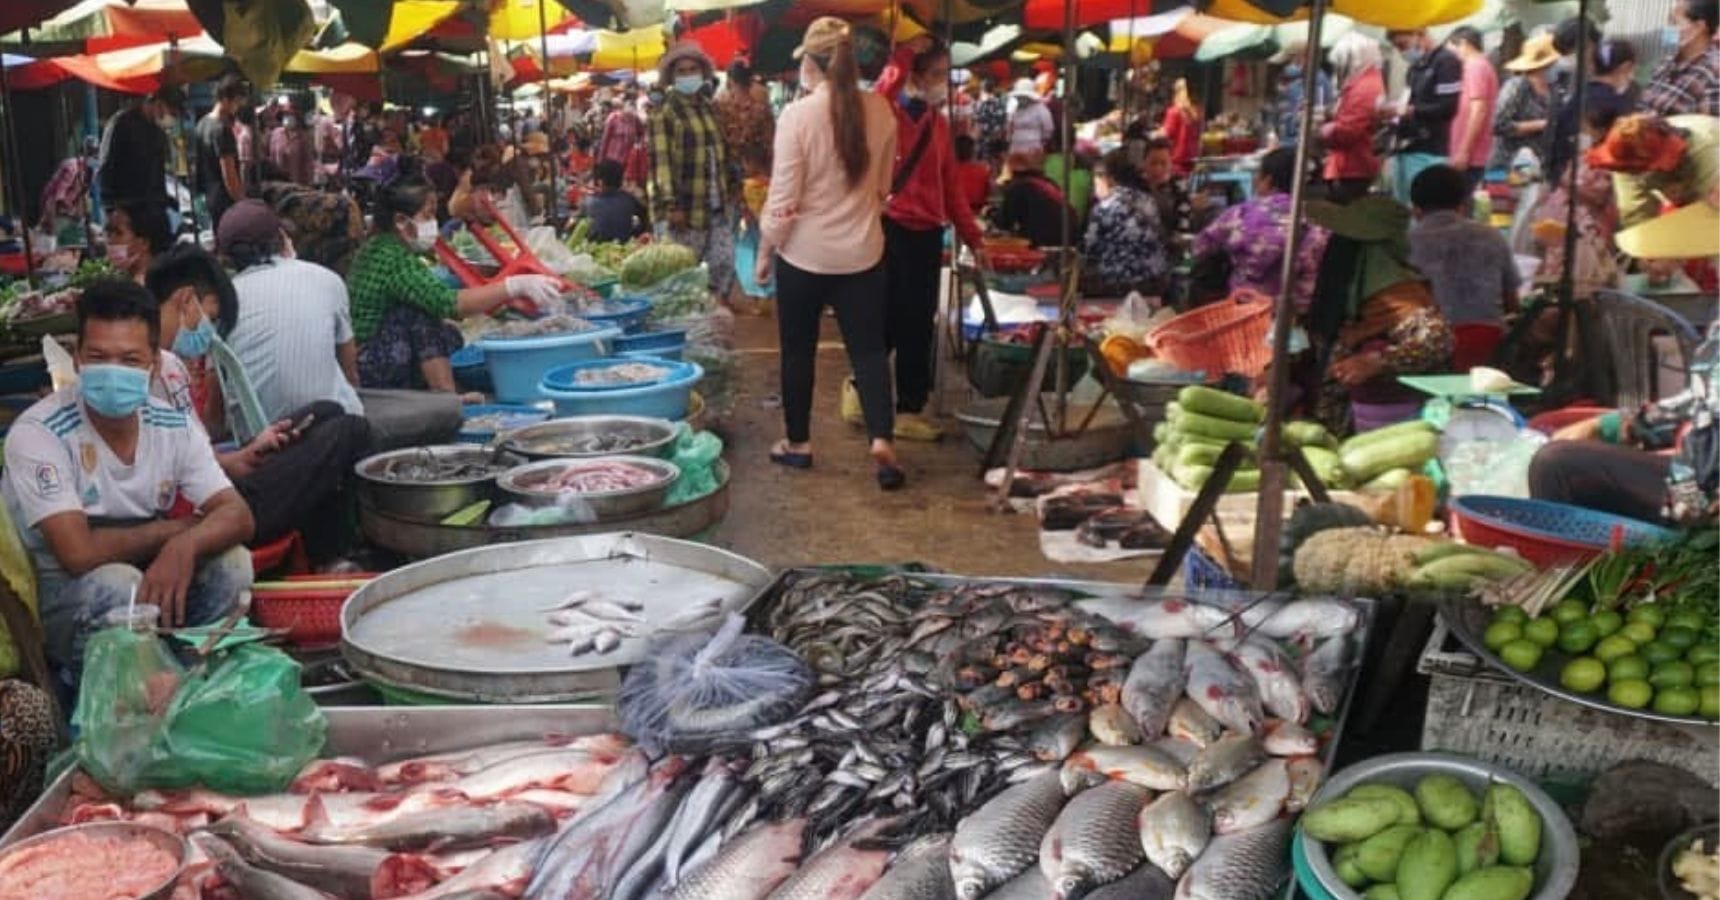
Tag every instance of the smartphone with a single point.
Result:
(300, 426)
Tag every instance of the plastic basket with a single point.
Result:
(470, 373)
(311, 617)
(1201, 572)
(1227, 336)
(665, 399)
(625, 313)
(513, 415)
(517, 364)
(999, 367)
(1546, 533)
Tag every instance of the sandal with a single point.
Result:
(782, 456)
(890, 478)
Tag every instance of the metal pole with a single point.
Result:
(1273, 476)
(1567, 276)
(1068, 268)
(543, 47)
(14, 175)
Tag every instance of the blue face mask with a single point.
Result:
(193, 343)
(689, 85)
(1669, 38)
(113, 392)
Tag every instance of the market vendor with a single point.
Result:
(1652, 158)
(1125, 245)
(1031, 206)
(1248, 239)
(400, 308)
(91, 472)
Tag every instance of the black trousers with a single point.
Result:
(857, 298)
(304, 486)
(912, 259)
(1620, 480)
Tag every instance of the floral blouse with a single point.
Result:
(1125, 246)
(1252, 235)
(1518, 103)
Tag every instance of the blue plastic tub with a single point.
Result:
(507, 417)
(665, 343)
(470, 373)
(518, 365)
(624, 313)
(665, 399)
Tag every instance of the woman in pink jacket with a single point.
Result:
(1351, 164)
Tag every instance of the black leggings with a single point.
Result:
(858, 300)
(914, 261)
(1620, 480)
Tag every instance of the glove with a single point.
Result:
(535, 289)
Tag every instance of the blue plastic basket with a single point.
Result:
(513, 415)
(650, 339)
(1545, 532)
(665, 399)
(470, 373)
(1202, 572)
(517, 365)
(624, 313)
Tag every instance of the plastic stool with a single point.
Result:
(1629, 324)
(285, 553)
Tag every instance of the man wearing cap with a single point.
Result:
(132, 162)
(691, 180)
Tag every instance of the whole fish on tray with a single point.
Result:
(921, 871)
(1254, 799)
(840, 872)
(1276, 680)
(1094, 840)
(251, 882)
(1145, 883)
(1154, 683)
(1324, 672)
(1001, 839)
(340, 870)
(448, 766)
(749, 867)
(1247, 865)
(1144, 765)
(1174, 831)
(1220, 690)
(451, 827)
(1160, 619)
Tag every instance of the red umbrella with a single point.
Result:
(721, 41)
(1047, 15)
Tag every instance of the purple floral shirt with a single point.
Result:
(1253, 236)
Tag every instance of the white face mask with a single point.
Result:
(936, 94)
(424, 234)
(811, 76)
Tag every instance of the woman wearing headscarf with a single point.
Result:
(1351, 164)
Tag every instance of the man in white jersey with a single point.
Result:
(91, 471)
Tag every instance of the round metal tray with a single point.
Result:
(523, 485)
(172, 843)
(1105, 441)
(1468, 620)
(658, 436)
(471, 625)
(1670, 887)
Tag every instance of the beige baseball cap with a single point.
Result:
(825, 34)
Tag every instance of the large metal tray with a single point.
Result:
(470, 626)
(419, 539)
(1468, 620)
(381, 734)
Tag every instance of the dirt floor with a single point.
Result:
(835, 512)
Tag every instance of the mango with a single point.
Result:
(1345, 820)
(1445, 803)
(1408, 812)
(1377, 856)
(1344, 863)
(1517, 823)
(1477, 846)
(1382, 892)
(1428, 866)
(1493, 883)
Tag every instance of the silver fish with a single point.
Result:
(449, 828)
(1251, 800)
(1094, 841)
(637, 865)
(1275, 679)
(1145, 883)
(1143, 765)
(841, 872)
(1029, 885)
(1001, 839)
(1224, 761)
(1157, 619)
(574, 770)
(444, 766)
(1180, 749)
(920, 872)
(749, 867)
(503, 872)
(1174, 830)
(343, 871)
(698, 816)
(571, 864)
(1224, 693)
(1055, 738)
(1283, 738)
(1247, 865)
(1311, 619)
(571, 601)
(1111, 724)
(251, 882)
(1306, 773)
(1190, 722)
(1155, 682)
(1324, 672)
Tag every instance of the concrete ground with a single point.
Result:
(835, 512)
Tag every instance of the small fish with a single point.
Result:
(1275, 680)
(1179, 749)
(1324, 672)
(1014, 714)
(695, 617)
(1225, 694)
(606, 640)
(1000, 840)
(1306, 773)
(749, 867)
(1111, 724)
(1311, 619)
(920, 872)
(248, 880)
(1140, 765)
(612, 612)
(571, 601)
(843, 871)
(1094, 841)
(1029, 885)
(1174, 831)
(1251, 800)
(1157, 619)
(1189, 722)
(1284, 738)
(1145, 883)
(1155, 682)
(1224, 761)
(1247, 865)
(1053, 739)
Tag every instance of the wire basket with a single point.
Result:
(1227, 336)
(1547, 533)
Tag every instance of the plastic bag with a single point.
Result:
(682, 294)
(554, 255)
(243, 726)
(746, 264)
(696, 691)
(696, 454)
(1134, 316)
(569, 509)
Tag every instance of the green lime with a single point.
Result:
(1499, 634)
(1647, 612)
(1677, 701)
(1612, 647)
(1521, 654)
(1686, 618)
(1542, 631)
(1702, 653)
(1638, 632)
(1585, 675)
(1577, 636)
(1708, 674)
(1708, 703)
(1658, 651)
(1672, 674)
(1510, 614)
(1568, 611)
(1633, 693)
(1679, 636)
(1627, 668)
(1607, 621)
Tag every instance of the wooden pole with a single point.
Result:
(543, 48)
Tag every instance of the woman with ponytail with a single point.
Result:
(823, 236)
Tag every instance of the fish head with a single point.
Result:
(1077, 776)
(971, 886)
(1177, 862)
(1073, 880)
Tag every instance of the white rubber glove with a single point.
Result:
(539, 289)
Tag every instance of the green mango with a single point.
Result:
(1493, 883)
(1344, 863)
(1382, 892)
(1517, 823)
(1408, 812)
(1445, 803)
(1477, 846)
(1345, 820)
(1377, 856)
(1428, 866)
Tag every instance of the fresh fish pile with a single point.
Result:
(426, 466)
(588, 623)
(842, 625)
(599, 477)
(620, 374)
(560, 323)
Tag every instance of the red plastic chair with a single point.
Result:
(518, 261)
(1473, 344)
(1555, 419)
(285, 553)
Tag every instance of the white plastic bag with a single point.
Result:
(61, 369)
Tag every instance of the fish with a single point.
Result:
(250, 881)
(571, 601)
(697, 817)
(1284, 738)
(1015, 714)
(1140, 765)
(842, 871)
(637, 865)
(572, 770)
(694, 618)
(1220, 690)
(749, 867)
(1029, 885)
(1324, 672)
(1157, 619)
(1145, 883)
(1190, 722)
(1251, 800)
(1111, 724)
(333, 775)
(1174, 830)
(342, 871)
(1247, 865)
(1311, 619)
(447, 828)
(448, 766)
(1306, 773)
(503, 871)
(1275, 680)
(1155, 682)
(1224, 761)
(921, 871)
(1000, 840)
(573, 862)
(1183, 751)
(1094, 840)
(1053, 739)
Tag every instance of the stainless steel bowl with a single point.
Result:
(1670, 887)
(1555, 870)
(524, 484)
(554, 439)
(173, 844)
(429, 500)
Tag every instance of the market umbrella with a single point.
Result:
(258, 37)
(1048, 15)
(1241, 37)
(1381, 13)
(98, 25)
(995, 41)
(639, 48)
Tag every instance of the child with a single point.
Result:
(973, 176)
(754, 188)
(756, 185)
(615, 214)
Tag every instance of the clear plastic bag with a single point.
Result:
(680, 295)
(698, 691)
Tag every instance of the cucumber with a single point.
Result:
(1303, 433)
(1325, 464)
(1219, 404)
(1414, 426)
(1161, 432)
(1212, 427)
(1201, 453)
(1385, 482)
(1410, 449)
(1193, 477)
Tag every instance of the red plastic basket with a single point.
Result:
(1227, 336)
(1544, 533)
(311, 616)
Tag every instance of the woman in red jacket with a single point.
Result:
(1351, 165)
(1182, 127)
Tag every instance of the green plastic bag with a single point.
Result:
(241, 726)
(696, 454)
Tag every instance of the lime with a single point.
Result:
(1702, 653)
(1639, 632)
(1708, 674)
(1679, 636)
(1607, 621)
(1612, 647)
(1568, 611)
(1577, 636)
(1672, 674)
(1686, 618)
(1585, 675)
(1633, 693)
(1510, 614)
(1708, 702)
(1542, 631)
(1647, 612)
(1627, 668)
(1678, 701)
(1499, 634)
(1521, 654)
(1658, 651)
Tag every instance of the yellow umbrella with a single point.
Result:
(349, 58)
(518, 20)
(412, 19)
(1381, 13)
(638, 48)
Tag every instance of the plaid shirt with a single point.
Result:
(1685, 88)
(386, 273)
(689, 163)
